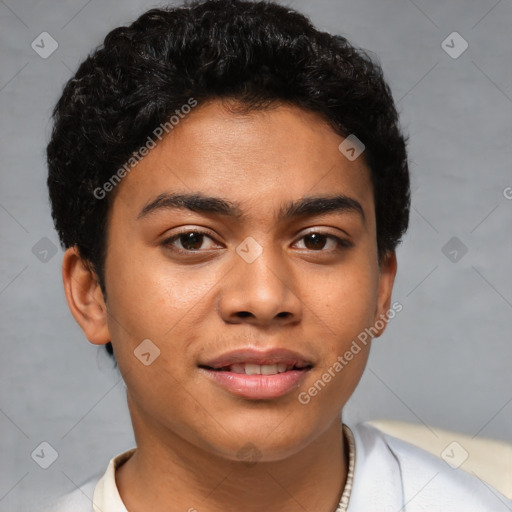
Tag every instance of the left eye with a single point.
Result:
(317, 241)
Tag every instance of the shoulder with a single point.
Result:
(423, 479)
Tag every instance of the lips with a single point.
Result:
(256, 374)
(269, 357)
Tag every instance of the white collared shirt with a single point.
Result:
(390, 475)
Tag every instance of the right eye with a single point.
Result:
(189, 241)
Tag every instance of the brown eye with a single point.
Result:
(323, 242)
(315, 241)
(188, 241)
(191, 241)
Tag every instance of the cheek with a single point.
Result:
(345, 304)
(346, 301)
(161, 303)
(150, 294)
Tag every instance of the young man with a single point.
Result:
(230, 185)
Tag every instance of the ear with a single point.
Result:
(387, 273)
(84, 297)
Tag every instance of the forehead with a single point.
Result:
(260, 160)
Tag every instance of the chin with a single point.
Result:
(263, 442)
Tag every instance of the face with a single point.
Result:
(250, 298)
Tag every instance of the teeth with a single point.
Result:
(237, 368)
(256, 369)
(268, 369)
(253, 369)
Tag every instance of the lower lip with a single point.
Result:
(258, 387)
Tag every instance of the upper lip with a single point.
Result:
(261, 357)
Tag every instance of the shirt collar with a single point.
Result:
(106, 496)
(377, 483)
(369, 461)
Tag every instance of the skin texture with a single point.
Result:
(314, 299)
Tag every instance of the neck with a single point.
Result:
(167, 473)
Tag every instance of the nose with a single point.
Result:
(263, 292)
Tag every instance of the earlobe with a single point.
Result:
(84, 297)
(388, 269)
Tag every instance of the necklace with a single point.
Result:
(345, 497)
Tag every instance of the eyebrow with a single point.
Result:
(306, 206)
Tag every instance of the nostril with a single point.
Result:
(243, 314)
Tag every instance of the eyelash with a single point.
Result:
(341, 243)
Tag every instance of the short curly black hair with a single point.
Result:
(255, 53)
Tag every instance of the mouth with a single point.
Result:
(258, 376)
(259, 369)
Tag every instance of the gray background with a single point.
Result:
(444, 361)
